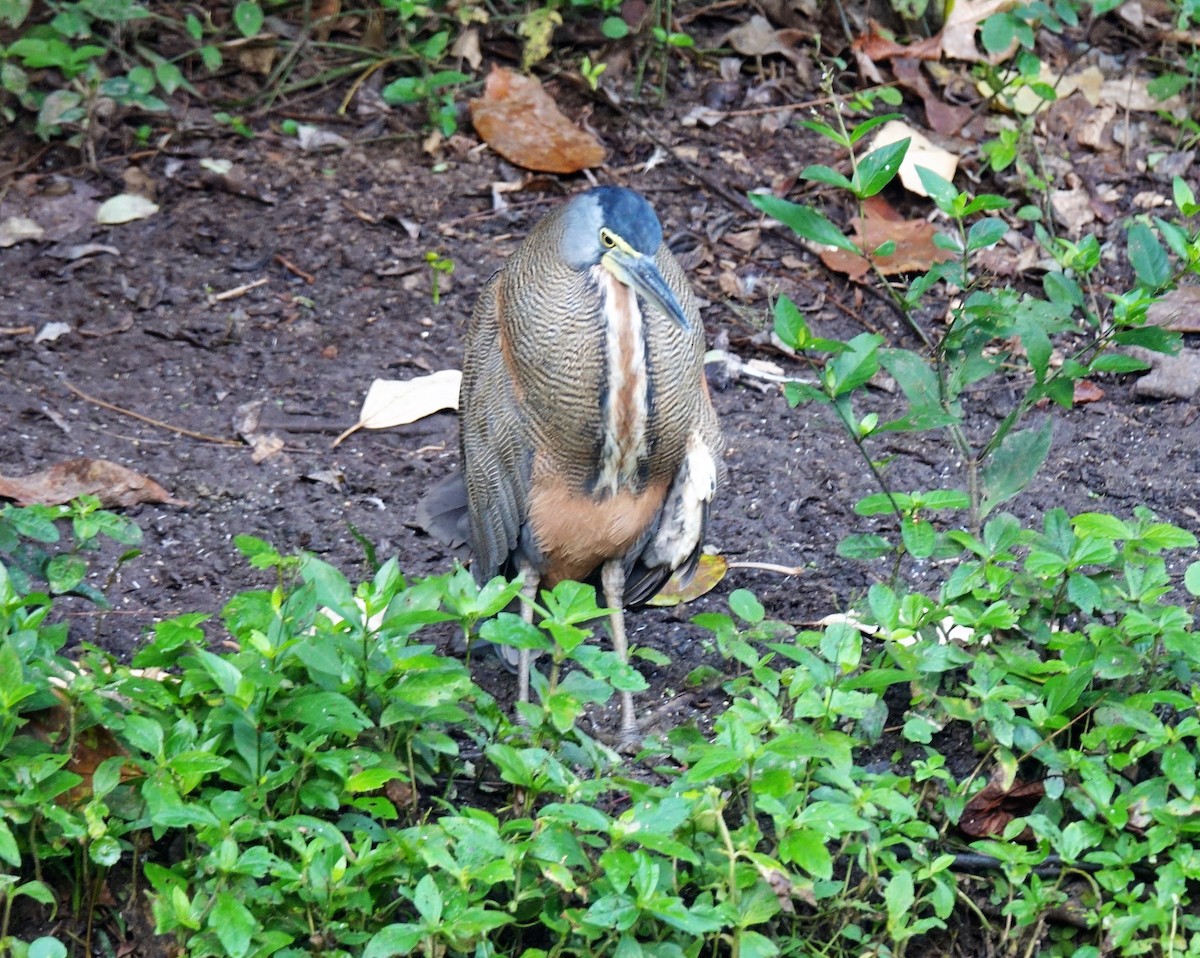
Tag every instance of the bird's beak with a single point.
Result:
(639, 273)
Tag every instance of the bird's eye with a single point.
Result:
(607, 240)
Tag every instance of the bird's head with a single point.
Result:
(617, 229)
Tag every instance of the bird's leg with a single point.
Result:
(612, 578)
(528, 594)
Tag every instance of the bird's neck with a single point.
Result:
(625, 396)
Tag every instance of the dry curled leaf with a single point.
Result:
(990, 809)
(125, 208)
(113, 484)
(517, 118)
(18, 229)
(709, 572)
(915, 251)
(90, 746)
(392, 402)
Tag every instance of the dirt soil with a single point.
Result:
(285, 286)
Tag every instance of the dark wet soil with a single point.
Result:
(325, 257)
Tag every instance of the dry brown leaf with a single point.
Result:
(1093, 131)
(1086, 392)
(1072, 208)
(990, 809)
(709, 573)
(757, 38)
(125, 208)
(1178, 310)
(747, 240)
(943, 118)
(392, 402)
(256, 56)
(467, 47)
(519, 120)
(914, 251)
(18, 229)
(113, 484)
(61, 207)
(878, 44)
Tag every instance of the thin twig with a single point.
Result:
(769, 567)
(293, 268)
(238, 291)
(179, 430)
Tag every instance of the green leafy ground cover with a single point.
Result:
(337, 786)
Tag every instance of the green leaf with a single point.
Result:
(745, 606)
(393, 940)
(1063, 691)
(1191, 578)
(46, 947)
(866, 126)
(614, 28)
(864, 546)
(428, 900)
(1061, 288)
(919, 381)
(945, 499)
(1117, 363)
(1148, 258)
(985, 233)
(1165, 86)
(940, 189)
(998, 33)
(169, 76)
(1184, 196)
(1013, 465)
(879, 167)
(752, 944)
(510, 629)
(824, 174)
(8, 846)
(233, 923)
(248, 17)
(790, 325)
(850, 369)
(65, 572)
(1150, 337)
(899, 896)
(919, 537)
(803, 221)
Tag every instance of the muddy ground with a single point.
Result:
(332, 247)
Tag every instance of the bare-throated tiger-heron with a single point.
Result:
(590, 448)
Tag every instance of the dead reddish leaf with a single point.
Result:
(944, 118)
(990, 809)
(519, 120)
(1087, 391)
(55, 726)
(878, 44)
(115, 485)
(400, 793)
(914, 250)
